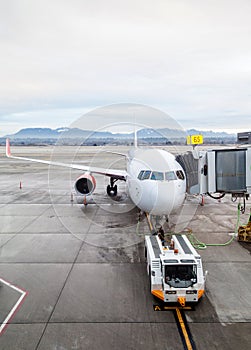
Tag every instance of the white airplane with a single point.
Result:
(155, 181)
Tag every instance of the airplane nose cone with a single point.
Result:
(162, 198)
(165, 197)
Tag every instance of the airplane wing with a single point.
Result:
(115, 173)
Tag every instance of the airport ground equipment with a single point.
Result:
(244, 138)
(244, 232)
(175, 269)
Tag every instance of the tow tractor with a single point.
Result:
(175, 269)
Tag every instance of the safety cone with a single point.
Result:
(202, 200)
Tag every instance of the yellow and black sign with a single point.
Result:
(170, 308)
(194, 139)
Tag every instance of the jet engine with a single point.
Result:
(85, 184)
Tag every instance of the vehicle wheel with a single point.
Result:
(150, 279)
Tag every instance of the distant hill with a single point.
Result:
(47, 133)
(39, 133)
(78, 136)
(211, 134)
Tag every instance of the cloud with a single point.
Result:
(47, 118)
(191, 59)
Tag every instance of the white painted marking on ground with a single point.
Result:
(15, 307)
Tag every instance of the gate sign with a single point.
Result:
(194, 140)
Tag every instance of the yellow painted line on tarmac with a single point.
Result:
(183, 329)
(181, 322)
(149, 222)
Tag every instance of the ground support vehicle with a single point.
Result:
(175, 269)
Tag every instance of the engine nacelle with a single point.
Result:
(85, 184)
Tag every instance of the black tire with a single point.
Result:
(150, 279)
(115, 190)
(112, 191)
(108, 190)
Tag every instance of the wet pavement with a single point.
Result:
(84, 271)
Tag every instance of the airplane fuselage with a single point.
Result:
(156, 182)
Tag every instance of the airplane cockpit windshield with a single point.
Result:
(145, 174)
(159, 176)
(156, 175)
(170, 175)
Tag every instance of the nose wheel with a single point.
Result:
(112, 189)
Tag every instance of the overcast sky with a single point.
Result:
(188, 58)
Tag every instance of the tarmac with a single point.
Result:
(74, 276)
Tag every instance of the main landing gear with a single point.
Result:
(111, 189)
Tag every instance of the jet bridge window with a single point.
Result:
(156, 175)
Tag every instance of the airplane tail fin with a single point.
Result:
(8, 152)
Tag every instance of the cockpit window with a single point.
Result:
(159, 176)
(170, 175)
(146, 175)
(140, 175)
(180, 174)
(156, 175)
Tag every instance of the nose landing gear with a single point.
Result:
(111, 189)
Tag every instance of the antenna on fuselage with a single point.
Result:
(135, 133)
(135, 138)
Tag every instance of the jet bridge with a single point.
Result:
(218, 171)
